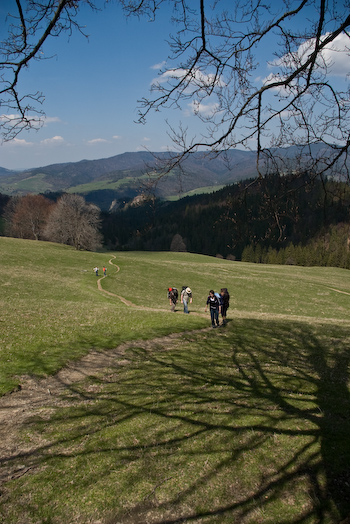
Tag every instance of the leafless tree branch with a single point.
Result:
(216, 59)
(29, 27)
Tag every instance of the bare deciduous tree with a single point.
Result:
(177, 243)
(75, 222)
(26, 216)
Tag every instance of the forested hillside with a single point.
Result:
(279, 220)
(275, 219)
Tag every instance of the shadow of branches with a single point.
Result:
(245, 424)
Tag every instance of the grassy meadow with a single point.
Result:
(248, 423)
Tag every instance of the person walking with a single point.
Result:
(96, 271)
(214, 307)
(186, 297)
(104, 271)
(225, 303)
(173, 297)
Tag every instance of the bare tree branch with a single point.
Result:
(29, 28)
(216, 59)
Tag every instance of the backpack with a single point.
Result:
(226, 297)
(219, 297)
(173, 292)
(184, 292)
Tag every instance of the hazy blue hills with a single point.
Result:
(107, 180)
(5, 172)
(128, 173)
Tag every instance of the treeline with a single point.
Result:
(68, 220)
(283, 220)
(330, 248)
(277, 220)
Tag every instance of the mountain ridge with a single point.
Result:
(129, 173)
(123, 176)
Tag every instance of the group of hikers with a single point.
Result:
(185, 297)
(104, 270)
(218, 303)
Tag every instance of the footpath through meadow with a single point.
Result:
(42, 396)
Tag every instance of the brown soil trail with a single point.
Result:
(339, 291)
(42, 396)
(128, 302)
(100, 288)
(124, 300)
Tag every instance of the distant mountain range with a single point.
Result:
(128, 174)
(109, 180)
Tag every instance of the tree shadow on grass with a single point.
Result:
(246, 424)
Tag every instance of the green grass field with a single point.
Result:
(248, 423)
(197, 191)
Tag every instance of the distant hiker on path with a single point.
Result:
(173, 296)
(186, 297)
(225, 303)
(104, 271)
(96, 271)
(214, 307)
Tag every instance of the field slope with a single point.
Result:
(123, 412)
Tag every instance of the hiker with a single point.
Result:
(173, 296)
(186, 297)
(104, 270)
(96, 270)
(225, 303)
(214, 307)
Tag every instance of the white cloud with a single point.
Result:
(206, 110)
(35, 119)
(276, 77)
(158, 66)
(17, 142)
(334, 56)
(146, 139)
(117, 137)
(168, 75)
(51, 120)
(95, 141)
(6, 118)
(197, 79)
(55, 140)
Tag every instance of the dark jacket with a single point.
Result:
(213, 302)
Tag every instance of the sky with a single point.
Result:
(92, 87)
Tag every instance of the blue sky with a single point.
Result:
(91, 89)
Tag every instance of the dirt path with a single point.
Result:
(128, 302)
(42, 396)
(100, 288)
(339, 291)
